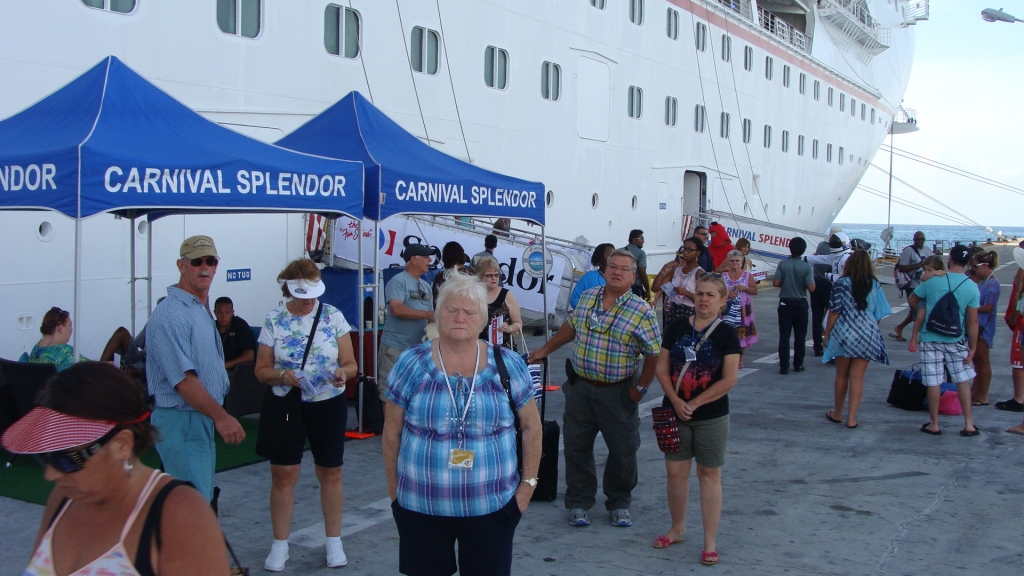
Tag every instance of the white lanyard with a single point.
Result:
(451, 394)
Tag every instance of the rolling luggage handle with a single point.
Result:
(543, 375)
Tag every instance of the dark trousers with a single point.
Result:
(792, 318)
(611, 411)
(638, 290)
(819, 308)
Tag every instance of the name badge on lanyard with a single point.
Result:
(459, 458)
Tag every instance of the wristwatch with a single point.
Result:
(641, 390)
(531, 481)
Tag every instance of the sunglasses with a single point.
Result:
(211, 261)
(71, 462)
(710, 275)
(492, 276)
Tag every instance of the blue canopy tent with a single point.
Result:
(110, 141)
(406, 176)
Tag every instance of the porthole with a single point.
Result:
(634, 203)
(783, 209)
(799, 209)
(746, 207)
(549, 198)
(142, 228)
(594, 200)
(609, 224)
(766, 208)
(44, 230)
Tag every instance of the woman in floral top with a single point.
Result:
(304, 403)
(53, 347)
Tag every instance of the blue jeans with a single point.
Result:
(186, 447)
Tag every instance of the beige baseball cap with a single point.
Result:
(197, 247)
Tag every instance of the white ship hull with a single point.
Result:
(606, 172)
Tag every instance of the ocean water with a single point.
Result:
(905, 233)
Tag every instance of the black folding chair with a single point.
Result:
(23, 382)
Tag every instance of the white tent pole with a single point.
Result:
(360, 291)
(131, 234)
(544, 280)
(78, 287)
(149, 270)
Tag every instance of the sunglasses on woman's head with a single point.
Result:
(211, 261)
(71, 462)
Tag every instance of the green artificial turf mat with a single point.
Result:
(23, 480)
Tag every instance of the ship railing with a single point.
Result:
(915, 12)
(781, 29)
(906, 115)
(740, 7)
(855, 22)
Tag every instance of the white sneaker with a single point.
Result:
(277, 557)
(336, 554)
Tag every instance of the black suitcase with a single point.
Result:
(907, 391)
(547, 474)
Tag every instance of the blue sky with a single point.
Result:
(967, 85)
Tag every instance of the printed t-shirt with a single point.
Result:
(286, 334)
(706, 369)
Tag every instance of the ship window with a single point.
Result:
(842, 102)
(599, 4)
(863, 111)
(814, 149)
(747, 130)
(767, 136)
(769, 67)
(671, 109)
(423, 50)
(633, 203)
(672, 24)
(726, 48)
(840, 155)
(872, 116)
(636, 12)
(341, 36)
(594, 199)
(802, 84)
(700, 36)
(831, 95)
(785, 76)
(550, 81)
(119, 6)
(853, 106)
(725, 125)
(828, 153)
(699, 118)
(495, 68)
(785, 140)
(748, 58)
(636, 102)
(549, 198)
(238, 17)
(817, 90)
(800, 145)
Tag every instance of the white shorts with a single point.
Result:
(935, 355)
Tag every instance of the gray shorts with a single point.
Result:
(704, 440)
(386, 358)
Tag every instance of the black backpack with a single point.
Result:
(944, 319)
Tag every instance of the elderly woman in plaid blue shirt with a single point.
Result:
(450, 444)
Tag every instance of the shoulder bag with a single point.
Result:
(666, 422)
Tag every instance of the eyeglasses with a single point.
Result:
(710, 275)
(491, 276)
(211, 261)
(620, 268)
(71, 462)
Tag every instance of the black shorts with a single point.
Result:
(426, 544)
(323, 423)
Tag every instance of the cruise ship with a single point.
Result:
(651, 114)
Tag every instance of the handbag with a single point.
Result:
(666, 422)
(282, 415)
(907, 391)
(506, 383)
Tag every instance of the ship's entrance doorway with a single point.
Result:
(695, 200)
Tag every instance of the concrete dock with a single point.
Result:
(801, 495)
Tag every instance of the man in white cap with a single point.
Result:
(185, 371)
(839, 252)
(410, 307)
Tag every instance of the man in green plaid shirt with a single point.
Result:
(613, 331)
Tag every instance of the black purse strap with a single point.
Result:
(506, 383)
(312, 332)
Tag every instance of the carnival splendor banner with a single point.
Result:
(396, 233)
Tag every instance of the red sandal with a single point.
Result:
(708, 558)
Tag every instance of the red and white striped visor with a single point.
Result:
(46, 430)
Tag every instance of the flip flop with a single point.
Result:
(831, 419)
(897, 337)
(966, 433)
(708, 558)
(979, 403)
(664, 541)
(851, 427)
(1012, 431)
(924, 428)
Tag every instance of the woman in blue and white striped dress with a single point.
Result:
(851, 335)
